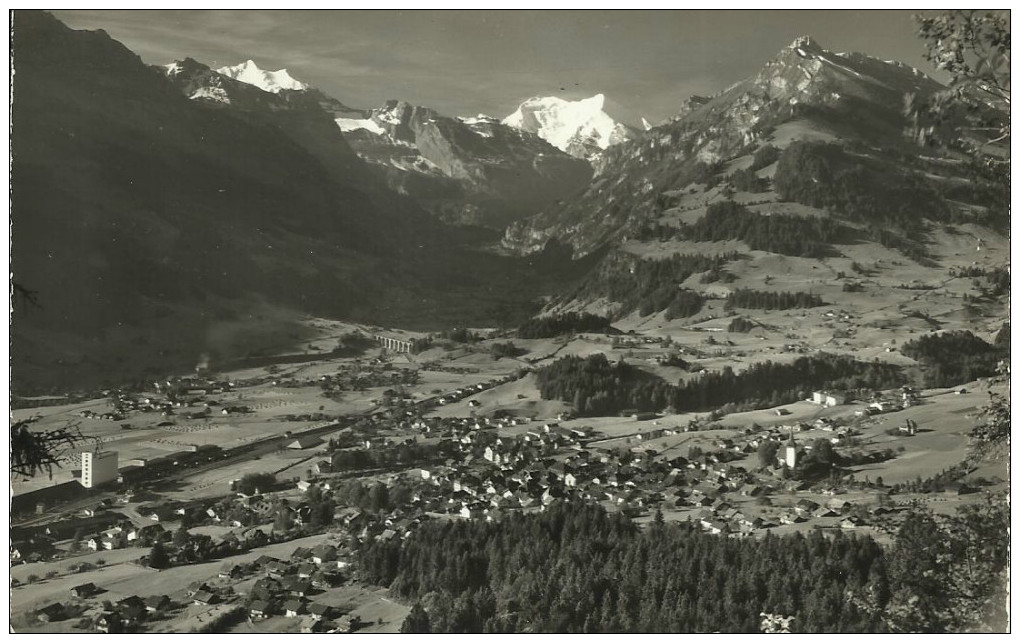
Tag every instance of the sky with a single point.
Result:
(468, 62)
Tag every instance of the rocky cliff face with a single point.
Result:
(838, 94)
(466, 171)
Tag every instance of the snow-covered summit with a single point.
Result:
(581, 128)
(268, 80)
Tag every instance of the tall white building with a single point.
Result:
(791, 455)
(98, 467)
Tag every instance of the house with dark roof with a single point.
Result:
(132, 601)
(109, 622)
(231, 571)
(323, 553)
(298, 587)
(197, 586)
(265, 559)
(86, 590)
(131, 615)
(277, 568)
(323, 580)
(293, 607)
(805, 505)
(51, 612)
(205, 598)
(259, 609)
(158, 602)
(311, 625)
(320, 611)
(305, 442)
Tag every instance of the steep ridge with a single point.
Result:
(826, 95)
(464, 170)
(579, 128)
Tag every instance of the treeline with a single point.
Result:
(564, 323)
(597, 387)
(952, 358)
(650, 285)
(777, 233)
(576, 568)
(770, 300)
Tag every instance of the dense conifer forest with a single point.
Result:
(650, 285)
(769, 300)
(577, 568)
(777, 233)
(564, 323)
(598, 387)
(952, 358)
(827, 176)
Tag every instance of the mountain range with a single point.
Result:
(162, 213)
(468, 170)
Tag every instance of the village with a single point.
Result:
(267, 482)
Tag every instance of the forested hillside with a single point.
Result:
(577, 568)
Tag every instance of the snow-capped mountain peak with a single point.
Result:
(580, 128)
(268, 80)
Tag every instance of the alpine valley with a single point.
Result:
(199, 197)
(283, 361)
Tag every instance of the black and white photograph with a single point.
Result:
(533, 320)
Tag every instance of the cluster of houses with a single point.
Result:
(492, 474)
(168, 400)
(122, 615)
(288, 587)
(358, 377)
(124, 534)
(282, 587)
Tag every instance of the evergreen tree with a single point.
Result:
(417, 621)
(158, 557)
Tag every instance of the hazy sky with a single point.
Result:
(466, 62)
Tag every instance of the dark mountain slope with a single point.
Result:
(144, 221)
